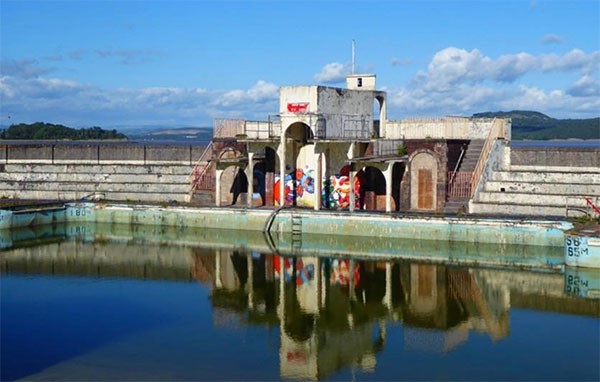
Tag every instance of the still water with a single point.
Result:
(100, 307)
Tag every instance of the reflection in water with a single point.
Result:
(333, 313)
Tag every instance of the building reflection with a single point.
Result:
(333, 312)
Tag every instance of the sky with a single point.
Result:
(183, 63)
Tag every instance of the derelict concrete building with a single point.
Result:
(334, 148)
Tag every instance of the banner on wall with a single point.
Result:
(297, 107)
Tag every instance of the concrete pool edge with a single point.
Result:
(534, 232)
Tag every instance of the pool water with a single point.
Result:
(131, 309)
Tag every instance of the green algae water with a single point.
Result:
(124, 302)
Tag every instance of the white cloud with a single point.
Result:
(128, 57)
(551, 39)
(461, 81)
(332, 73)
(400, 61)
(26, 68)
(456, 81)
(260, 93)
(586, 86)
(64, 101)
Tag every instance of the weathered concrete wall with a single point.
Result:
(99, 153)
(539, 182)
(112, 172)
(332, 113)
(555, 157)
(445, 128)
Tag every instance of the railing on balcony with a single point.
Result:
(269, 129)
(324, 126)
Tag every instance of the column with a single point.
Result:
(250, 176)
(352, 195)
(282, 171)
(318, 182)
(218, 174)
(388, 187)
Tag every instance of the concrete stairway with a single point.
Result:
(127, 182)
(471, 156)
(538, 193)
(469, 161)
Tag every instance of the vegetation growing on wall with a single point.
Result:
(41, 130)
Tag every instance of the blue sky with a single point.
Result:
(183, 63)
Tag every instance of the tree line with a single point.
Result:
(41, 130)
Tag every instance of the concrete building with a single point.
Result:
(335, 148)
(325, 148)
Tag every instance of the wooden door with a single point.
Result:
(425, 187)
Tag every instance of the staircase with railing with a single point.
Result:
(460, 179)
(203, 175)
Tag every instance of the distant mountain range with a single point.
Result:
(532, 125)
(182, 134)
(526, 125)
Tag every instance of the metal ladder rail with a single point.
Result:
(296, 231)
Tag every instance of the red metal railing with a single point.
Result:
(460, 185)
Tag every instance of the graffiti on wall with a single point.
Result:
(335, 191)
(299, 185)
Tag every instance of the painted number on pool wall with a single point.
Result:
(576, 247)
(79, 212)
(575, 283)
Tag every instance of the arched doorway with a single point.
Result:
(398, 170)
(234, 186)
(297, 168)
(374, 189)
(423, 181)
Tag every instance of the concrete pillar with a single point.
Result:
(352, 196)
(250, 176)
(388, 187)
(318, 183)
(218, 174)
(382, 118)
(282, 171)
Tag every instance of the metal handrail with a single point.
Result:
(199, 171)
(462, 154)
(485, 153)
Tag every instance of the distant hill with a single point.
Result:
(203, 134)
(41, 130)
(534, 125)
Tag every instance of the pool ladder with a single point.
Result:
(296, 231)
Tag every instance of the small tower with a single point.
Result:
(360, 81)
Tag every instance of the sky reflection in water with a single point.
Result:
(91, 308)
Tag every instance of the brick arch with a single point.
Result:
(424, 165)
